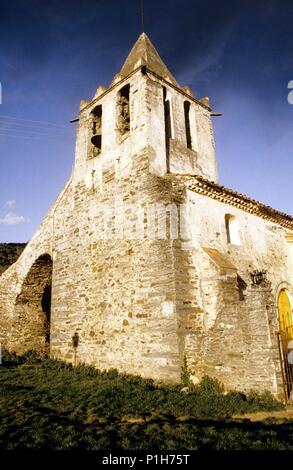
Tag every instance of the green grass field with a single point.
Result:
(50, 405)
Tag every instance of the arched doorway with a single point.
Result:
(286, 340)
(33, 308)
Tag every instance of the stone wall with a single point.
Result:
(114, 291)
(235, 339)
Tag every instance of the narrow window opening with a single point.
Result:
(187, 124)
(123, 110)
(96, 139)
(232, 229)
(168, 128)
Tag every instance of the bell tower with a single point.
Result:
(145, 110)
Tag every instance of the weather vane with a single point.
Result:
(141, 15)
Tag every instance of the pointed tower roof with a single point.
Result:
(144, 53)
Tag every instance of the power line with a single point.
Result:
(37, 136)
(38, 132)
(30, 120)
(14, 127)
(5, 124)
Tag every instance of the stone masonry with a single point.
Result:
(144, 255)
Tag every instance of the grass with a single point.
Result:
(47, 404)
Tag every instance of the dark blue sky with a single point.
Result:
(54, 53)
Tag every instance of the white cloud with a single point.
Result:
(10, 204)
(13, 219)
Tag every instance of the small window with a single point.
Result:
(168, 127)
(232, 229)
(96, 131)
(123, 110)
(187, 124)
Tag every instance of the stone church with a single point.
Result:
(145, 262)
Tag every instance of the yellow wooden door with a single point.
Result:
(286, 337)
(285, 312)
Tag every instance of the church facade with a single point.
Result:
(145, 262)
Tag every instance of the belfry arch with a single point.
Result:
(33, 308)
